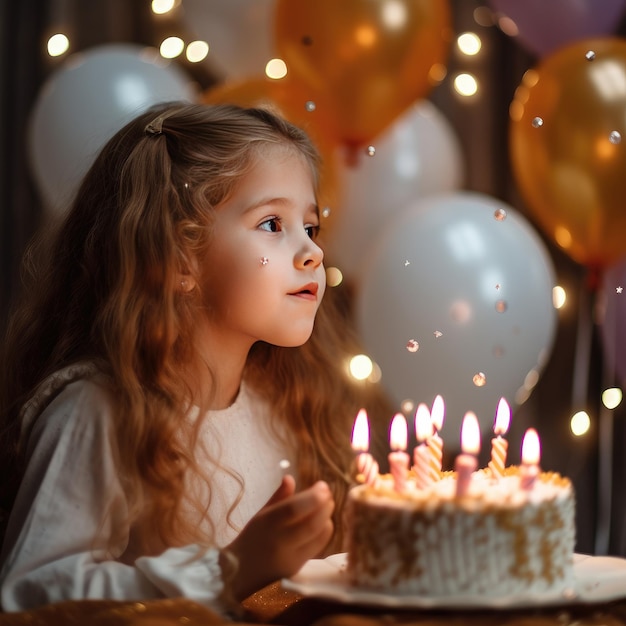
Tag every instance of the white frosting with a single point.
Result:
(498, 539)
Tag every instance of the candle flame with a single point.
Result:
(423, 424)
(503, 417)
(361, 432)
(398, 432)
(470, 434)
(531, 448)
(437, 412)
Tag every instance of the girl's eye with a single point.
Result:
(271, 225)
(312, 231)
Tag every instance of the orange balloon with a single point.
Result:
(270, 93)
(568, 148)
(365, 60)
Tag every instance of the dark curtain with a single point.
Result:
(21, 72)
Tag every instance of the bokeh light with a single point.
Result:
(465, 84)
(469, 43)
(484, 16)
(171, 47)
(612, 397)
(361, 366)
(58, 44)
(580, 423)
(276, 69)
(197, 51)
(559, 296)
(334, 277)
(159, 7)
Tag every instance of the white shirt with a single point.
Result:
(50, 552)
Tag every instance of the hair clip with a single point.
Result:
(155, 127)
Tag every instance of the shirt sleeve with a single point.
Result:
(69, 505)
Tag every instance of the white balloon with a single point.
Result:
(475, 293)
(419, 155)
(240, 33)
(84, 102)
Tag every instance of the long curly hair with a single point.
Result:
(107, 290)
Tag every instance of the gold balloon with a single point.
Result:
(568, 148)
(366, 61)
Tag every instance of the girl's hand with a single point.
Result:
(288, 531)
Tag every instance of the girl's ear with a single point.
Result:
(185, 279)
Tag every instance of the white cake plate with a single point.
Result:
(597, 579)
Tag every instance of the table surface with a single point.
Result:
(275, 605)
(278, 606)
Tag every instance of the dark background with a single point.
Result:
(482, 131)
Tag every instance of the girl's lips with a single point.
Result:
(307, 291)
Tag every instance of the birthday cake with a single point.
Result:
(497, 539)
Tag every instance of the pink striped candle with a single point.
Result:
(499, 445)
(435, 442)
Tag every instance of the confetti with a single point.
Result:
(497, 286)
(437, 334)
(309, 105)
(412, 345)
(326, 211)
(370, 150)
(501, 306)
(537, 122)
(619, 289)
(590, 55)
(500, 215)
(407, 263)
(480, 380)
(615, 137)
(284, 464)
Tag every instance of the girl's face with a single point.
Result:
(263, 272)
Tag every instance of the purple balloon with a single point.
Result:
(613, 329)
(546, 25)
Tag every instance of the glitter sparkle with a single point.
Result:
(480, 380)
(500, 215)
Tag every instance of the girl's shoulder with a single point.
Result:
(71, 381)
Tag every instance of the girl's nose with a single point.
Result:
(310, 255)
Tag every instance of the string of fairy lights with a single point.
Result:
(465, 85)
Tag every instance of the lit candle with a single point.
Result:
(398, 458)
(435, 442)
(467, 462)
(424, 465)
(366, 466)
(531, 452)
(499, 445)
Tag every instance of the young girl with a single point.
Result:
(165, 367)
